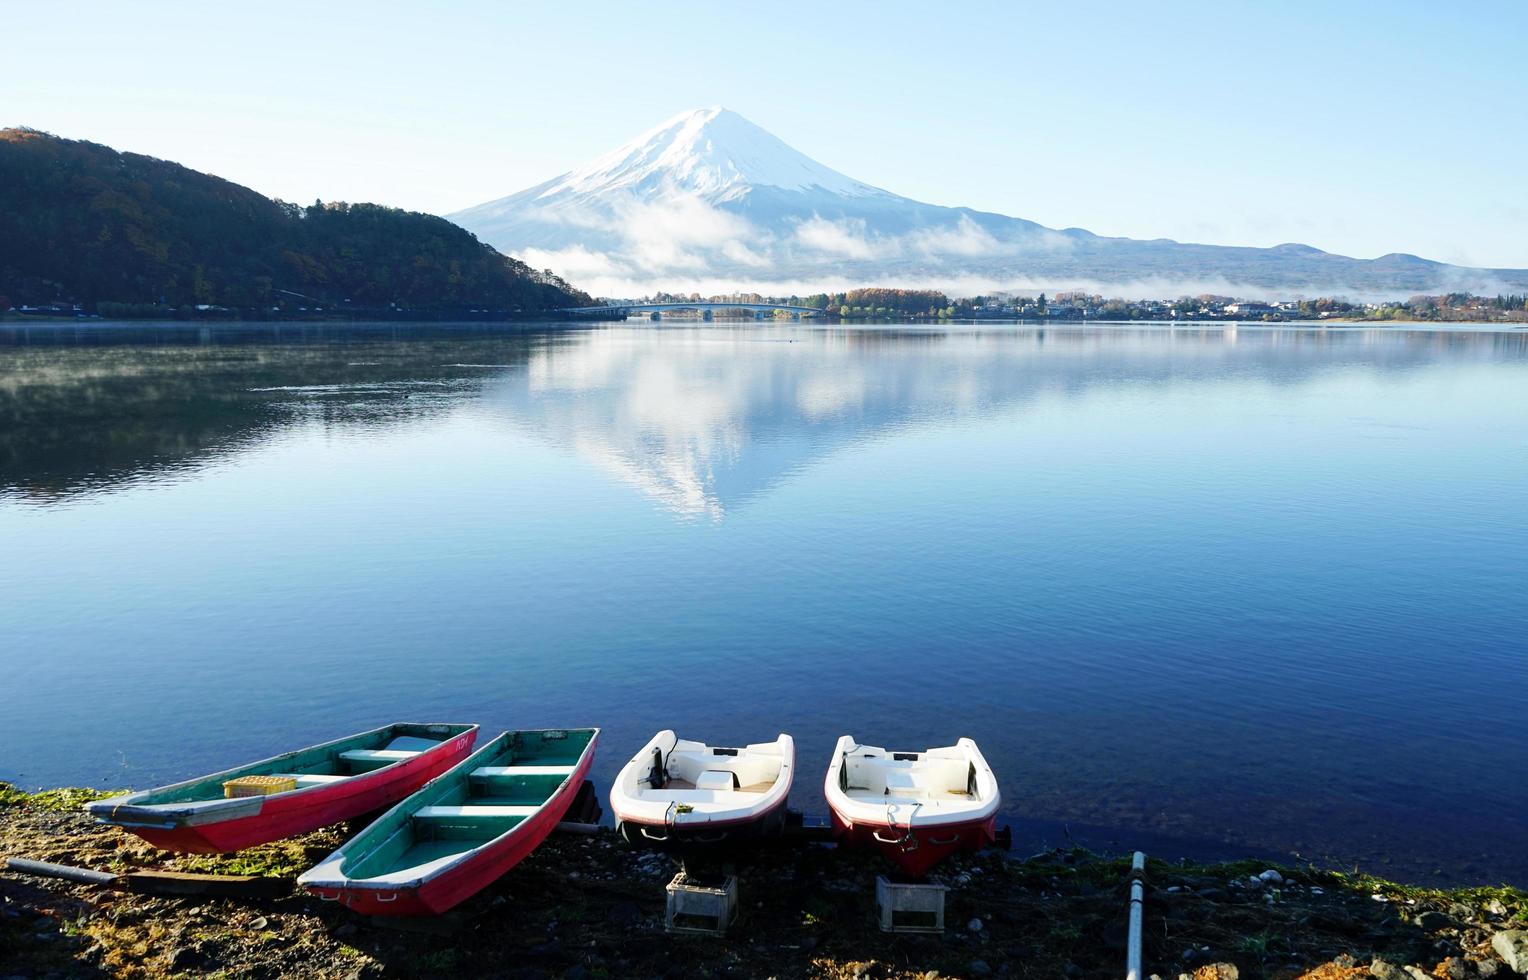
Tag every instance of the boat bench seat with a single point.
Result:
(471, 821)
(918, 785)
(469, 810)
(307, 779)
(378, 756)
(399, 749)
(524, 770)
(519, 784)
(717, 780)
(902, 782)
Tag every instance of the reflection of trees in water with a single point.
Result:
(700, 418)
(81, 417)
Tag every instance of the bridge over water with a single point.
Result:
(707, 310)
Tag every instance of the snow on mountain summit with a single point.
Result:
(714, 153)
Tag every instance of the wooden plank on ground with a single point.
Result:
(221, 886)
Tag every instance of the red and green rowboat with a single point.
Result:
(463, 831)
(334, 781)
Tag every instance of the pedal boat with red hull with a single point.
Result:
(463, 831)
(679, 794)
(334, 781)
(916, 808)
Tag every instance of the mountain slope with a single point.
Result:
(83, 223)
(710, 198)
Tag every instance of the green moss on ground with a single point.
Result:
(64, 800)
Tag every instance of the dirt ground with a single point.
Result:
(589, 906)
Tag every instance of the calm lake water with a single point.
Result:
(1205, 591)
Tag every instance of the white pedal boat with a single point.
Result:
(680, 793)
(917, 808)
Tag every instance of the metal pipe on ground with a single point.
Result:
(46, 869)
(1137, 907)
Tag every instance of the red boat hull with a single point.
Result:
(918, 852)
(450, 888)
(290, 814)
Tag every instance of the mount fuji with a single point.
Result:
(711, 202)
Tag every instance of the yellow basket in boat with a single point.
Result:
(258, 786)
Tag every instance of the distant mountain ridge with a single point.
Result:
(709, 197)
(83, 223)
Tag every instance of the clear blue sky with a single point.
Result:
(1359, 127)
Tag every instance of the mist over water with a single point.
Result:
(1209, 591)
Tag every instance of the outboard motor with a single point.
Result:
(657, 777)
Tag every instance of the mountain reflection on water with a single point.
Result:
(1210, 591)
(702, 420)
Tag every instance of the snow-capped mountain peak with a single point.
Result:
(708, 202)
(714, 153)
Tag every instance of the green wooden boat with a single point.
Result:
(464, 830)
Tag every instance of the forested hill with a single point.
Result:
(83, 223)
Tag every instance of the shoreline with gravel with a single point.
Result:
(587, 906)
